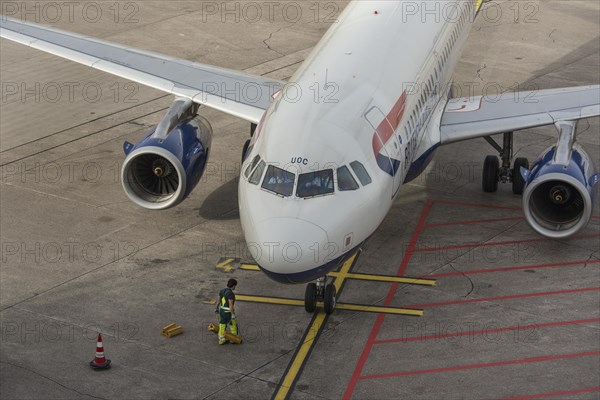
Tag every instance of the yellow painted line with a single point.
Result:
(224, 264)
(341, 277)
(366, 277)
(287, 382)
(341, 306)
(378, 309)
(308, 341)
(249, 267)
(478, 5)
(269, 300)
(387, 278)
(300, 357)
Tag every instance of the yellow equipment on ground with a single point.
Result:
(171, 330)
(214, 328)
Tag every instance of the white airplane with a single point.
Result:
(331, 149)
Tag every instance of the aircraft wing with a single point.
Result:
(242, 95)
(467, 118)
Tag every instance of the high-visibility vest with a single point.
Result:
(224, 303)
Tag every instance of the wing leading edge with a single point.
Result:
(242, 95)
(468, 118)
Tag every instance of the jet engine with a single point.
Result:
(162, 169)
(559, 190)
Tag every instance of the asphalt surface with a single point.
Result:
(512, 314)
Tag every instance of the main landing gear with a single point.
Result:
(494, 173)
(320, 291)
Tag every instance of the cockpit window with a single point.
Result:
(315, 183)
(345, 180)
(257, 174)
(252, 165)
(279, 181)
(361, 173)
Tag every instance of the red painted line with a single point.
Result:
(363, 358)
(474, 245)
(534, 266)
(380, 317)
(486, 331)
(409, 251)
(553, 394)
(483, 365)
(479, 221)
(455, 203)
(514, 296)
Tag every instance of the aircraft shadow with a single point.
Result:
(542, 78)
(222, 203)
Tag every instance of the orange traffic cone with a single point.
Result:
(99, 362)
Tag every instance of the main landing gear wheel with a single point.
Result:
(310, 297)
(518, 183)
(489, 179)
(329, 298)
(493, 172)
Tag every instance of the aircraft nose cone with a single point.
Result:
(288, 246)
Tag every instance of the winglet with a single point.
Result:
(127, 147)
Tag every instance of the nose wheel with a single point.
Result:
(310, 297)
(320, 291)
(329, 298)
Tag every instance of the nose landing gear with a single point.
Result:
(320, 291)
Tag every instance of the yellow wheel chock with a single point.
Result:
(171, 330)
(214, 328)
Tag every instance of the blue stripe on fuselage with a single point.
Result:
(311, 274)
(388, 165)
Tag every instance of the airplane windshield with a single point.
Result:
(252, 165)
(279, 181)
(361, 173)
(345, 180)
(315, 183)
(257, 174)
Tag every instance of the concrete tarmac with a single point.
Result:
(512, 314)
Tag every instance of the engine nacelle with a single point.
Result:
(161, 170)
(559, 191)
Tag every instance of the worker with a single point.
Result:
(226, 309)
